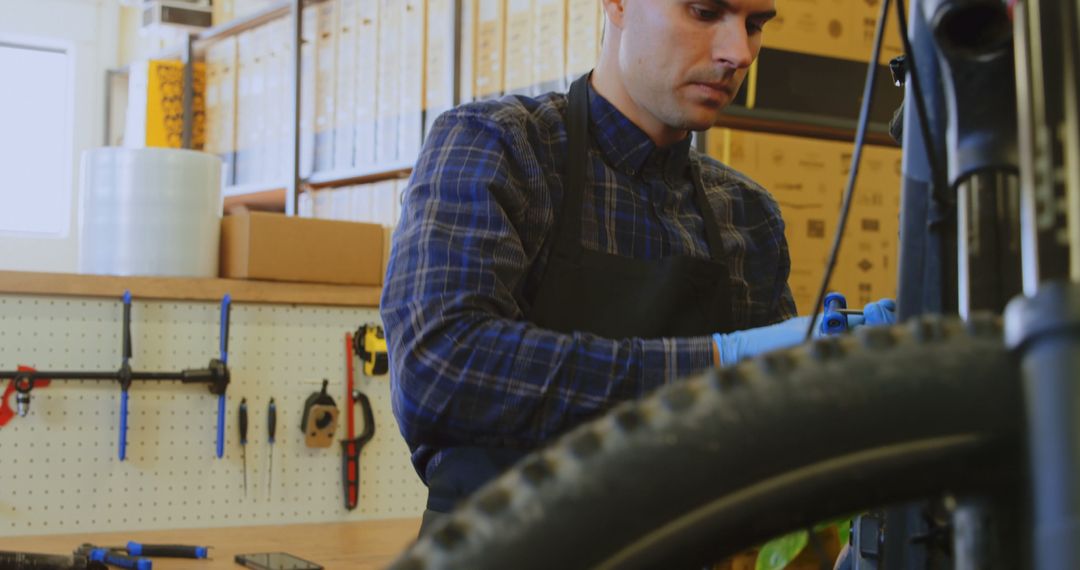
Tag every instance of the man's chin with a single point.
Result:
(702, 121)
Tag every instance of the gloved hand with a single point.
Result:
(881, 312)
(740, 345)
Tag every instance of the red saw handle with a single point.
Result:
(350, 425)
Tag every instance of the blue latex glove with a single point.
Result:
(740, 345)
(881, 312)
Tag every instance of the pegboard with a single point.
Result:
(59, 470)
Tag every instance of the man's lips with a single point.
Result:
(713, 89)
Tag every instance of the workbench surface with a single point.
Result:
(353, 545)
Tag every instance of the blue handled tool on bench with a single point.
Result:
(113, 557)
(166, 550)
(131, 556)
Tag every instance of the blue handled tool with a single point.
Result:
(832, 320)
(226, 307)
(167, 550)
(114, 558)
(125, 376)
(835, 318)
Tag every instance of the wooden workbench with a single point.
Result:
(360, 545)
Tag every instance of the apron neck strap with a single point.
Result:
(577, 162)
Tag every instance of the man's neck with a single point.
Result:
(609, 85)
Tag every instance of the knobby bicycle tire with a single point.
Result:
(705, 467)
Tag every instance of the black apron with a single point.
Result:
(600, 293)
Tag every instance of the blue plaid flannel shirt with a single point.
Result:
(466, 369)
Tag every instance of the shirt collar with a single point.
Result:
(625, 146)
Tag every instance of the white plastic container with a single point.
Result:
(149, 211)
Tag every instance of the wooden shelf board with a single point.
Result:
(187, 289)
(360, 175)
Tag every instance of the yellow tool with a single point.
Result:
(370, 345)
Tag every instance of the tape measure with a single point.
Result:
(369, 342)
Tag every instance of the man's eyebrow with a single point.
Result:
(725, 5)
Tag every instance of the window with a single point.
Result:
(36, 130)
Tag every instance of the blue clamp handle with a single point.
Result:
(833, 321)
(106, 556)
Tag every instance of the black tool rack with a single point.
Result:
(215, 375)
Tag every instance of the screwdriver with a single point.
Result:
(243, 438)
(271, 426)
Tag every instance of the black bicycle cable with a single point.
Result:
(856, 157)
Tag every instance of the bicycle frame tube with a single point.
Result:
(1044, 327)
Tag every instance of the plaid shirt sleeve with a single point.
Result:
(466, 368)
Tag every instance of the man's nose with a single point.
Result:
(731, 45)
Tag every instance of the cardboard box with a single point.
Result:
(261, 245)
(583, 18)
(549, 42)
(807, 178)
(487, 29)
(518, 46)
(832, 28)
(439, 61)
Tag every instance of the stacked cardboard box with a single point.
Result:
(807, 177)
(842, 29)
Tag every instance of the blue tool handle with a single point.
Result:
(221, 426)
(123, 423)
(167, 550)
(117, 559)
(833, 321)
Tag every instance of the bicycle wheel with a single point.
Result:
(711, 465)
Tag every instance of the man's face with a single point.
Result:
(682, 61)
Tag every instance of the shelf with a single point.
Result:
(256, 188)
(187, 289)
(243, 24)
(801, 124)
(401, 169)
(264, 196)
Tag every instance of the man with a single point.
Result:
(561, 254)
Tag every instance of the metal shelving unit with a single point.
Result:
(400, 169)
(285, 192)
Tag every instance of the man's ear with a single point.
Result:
(614, 11)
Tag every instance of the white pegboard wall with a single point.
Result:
(59, 467)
